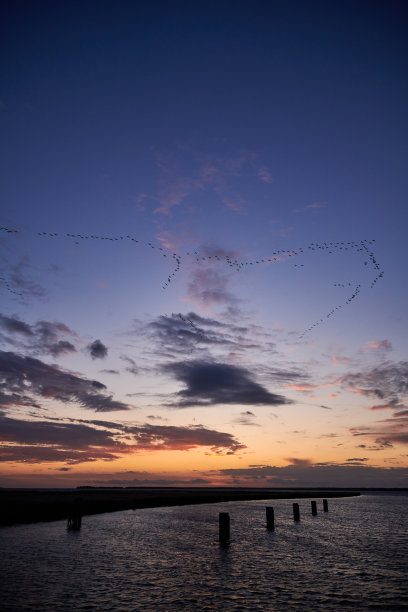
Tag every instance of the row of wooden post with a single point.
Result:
(224, 519)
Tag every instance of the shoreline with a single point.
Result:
(19, 506)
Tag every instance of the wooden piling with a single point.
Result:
(325, 505)
(296, 513)
(314, 508)
(74, 522)
(75, 515)
(270, 518)
(224, 527)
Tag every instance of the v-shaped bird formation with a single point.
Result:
(363, 247)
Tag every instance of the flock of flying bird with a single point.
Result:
(278, 256)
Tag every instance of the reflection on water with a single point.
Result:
(353, 557)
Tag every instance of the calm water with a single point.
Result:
(353, 557)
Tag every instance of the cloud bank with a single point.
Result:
(74, 442)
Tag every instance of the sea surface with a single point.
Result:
(354, 557)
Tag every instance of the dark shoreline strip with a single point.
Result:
(32, 506)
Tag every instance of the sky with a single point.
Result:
(203, 243)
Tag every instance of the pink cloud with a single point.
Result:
(312, 206)
(316, 205)
(208, 288)
(236, 204)
(169, 240)
(264, 175)
(215, 174)
(301, 387)
(103, 284)
(382, 407)
(340, 360)
(379, 345)
(175, 192)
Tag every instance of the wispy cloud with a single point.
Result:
(246, 418)
(313, 206)
(386, 433)
(216, 175)
(388, 382)
(19, 281)
(382, 345)
(181, 334)
(208, 287)
(132, 366)
(264, 175)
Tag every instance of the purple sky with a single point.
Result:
(203, 237)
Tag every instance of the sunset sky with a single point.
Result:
(203, 243)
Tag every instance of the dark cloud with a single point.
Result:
(383, 444)
(386, 382)
(316, 475)
(380, 446)
(401, 413)
(209, 383)
(298, 462)
(47, 338)
(357, 459)
(151, 482)
(22, 375)
(61, 348)
(389, 383)
(38, 441)
(169, 437)
(15, 325)
(180, 334)
(386, 432)
(247, 419)
(177, 333)
(43, 337)
(16, 399)
(97, 350)
(67, 435)
(77, 442)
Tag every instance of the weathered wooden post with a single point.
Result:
(325, 505)
(296, 513)
(75, 514)
(270, 519)
(314, 508)
(224, 527)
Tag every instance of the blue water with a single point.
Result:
(353, 557)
